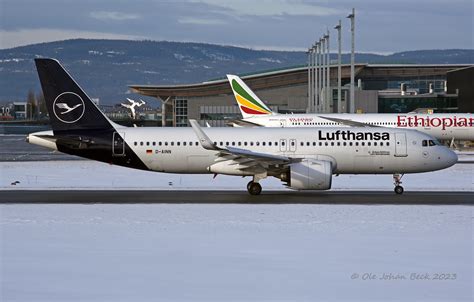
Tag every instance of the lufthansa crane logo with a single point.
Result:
(68, 107)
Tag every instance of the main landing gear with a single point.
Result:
(397, 181)
(254, 188)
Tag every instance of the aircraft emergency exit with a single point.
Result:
(304, 159)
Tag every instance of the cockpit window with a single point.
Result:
(426, 143)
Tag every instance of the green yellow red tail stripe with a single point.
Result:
(249, 103)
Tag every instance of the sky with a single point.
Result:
(382, 26)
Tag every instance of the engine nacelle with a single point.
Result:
(310, 174)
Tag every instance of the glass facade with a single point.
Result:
(419, 84)
(181, 112)
(412, 103)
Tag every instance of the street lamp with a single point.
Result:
(352, 101)
(338, 27)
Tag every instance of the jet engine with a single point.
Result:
(309, 174)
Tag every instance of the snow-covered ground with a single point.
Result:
(235, 252)
(230, 252)
(95, 175)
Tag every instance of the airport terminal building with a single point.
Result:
(380, 88)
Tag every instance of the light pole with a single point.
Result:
(316, 77)
(338, 27)
(328, 74)
(320, 72)
(310, 50)
(352, 101)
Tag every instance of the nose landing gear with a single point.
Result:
(397, 181)
(254, 188)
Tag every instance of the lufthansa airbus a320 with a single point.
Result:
(303, 158)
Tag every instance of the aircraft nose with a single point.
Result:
(451, 157)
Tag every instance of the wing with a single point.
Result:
(347, 122)
(243, 159)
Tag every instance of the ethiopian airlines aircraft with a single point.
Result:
(304, 159)
(445, 126)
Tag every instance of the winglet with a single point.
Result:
(205, 141)
(249, 103)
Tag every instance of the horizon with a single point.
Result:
(332, 51)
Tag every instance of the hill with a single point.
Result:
(106, 67)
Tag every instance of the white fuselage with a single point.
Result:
(177, 150)
(442, 126)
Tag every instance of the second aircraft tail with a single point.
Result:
(249, 103)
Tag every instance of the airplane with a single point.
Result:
(304, 159)
(442, 126)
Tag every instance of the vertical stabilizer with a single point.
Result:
(249, 103)
(69, 107)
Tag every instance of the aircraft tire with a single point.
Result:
(254, 188)
(399, 190)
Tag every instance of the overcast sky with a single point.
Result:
(382, 26)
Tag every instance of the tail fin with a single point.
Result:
(249, 103)
(69, 107)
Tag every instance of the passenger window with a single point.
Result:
(276, 143)
(301, 144)
(245, 143)
(344, 144)
(362, 143)
(375, 143)
(184, 143)
(196, 143)
(172, 143)
(240, 143)
(357, 144)
(369, 144)
(338, 143)
(332, 143)
(178, 144)
(147, 143)
(251, 143)
(308, 143)
(320, 144)
(135, 143)
(233, 143)
(269, 143)
(166, 143)
(154, 143)
(292, 143)
(257, 143)
(350, 143)
(141, 143)
(325, 143)
(314, 143)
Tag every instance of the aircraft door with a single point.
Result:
(282, 123)
(292, 145)
(283, 145)
(118, 144)
(400, 144)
